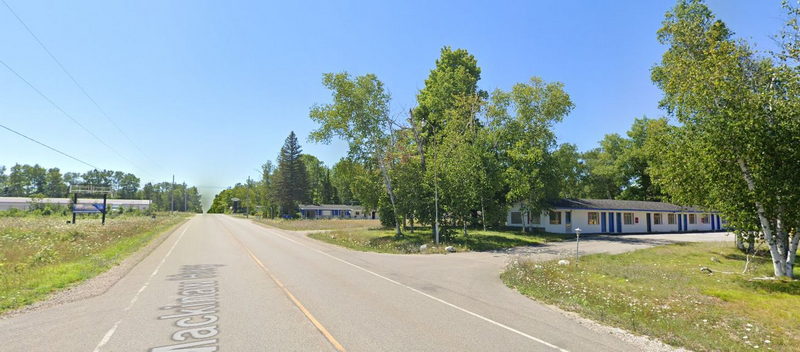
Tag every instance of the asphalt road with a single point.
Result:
(227, 284)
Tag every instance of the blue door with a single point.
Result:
(610, 222)
(602, 222)
(619, 222)
(649, 229)
(680, 223)
(685, 222)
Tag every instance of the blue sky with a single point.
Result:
(210, 90)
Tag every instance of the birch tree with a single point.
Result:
(521, 121)
(359, 115)
(739, 136)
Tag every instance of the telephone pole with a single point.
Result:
(247, 207)
(172, 196)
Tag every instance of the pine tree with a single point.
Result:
(291, 179)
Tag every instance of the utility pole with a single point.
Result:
(185, 208)
(247, 206)
(436, 199)
(172, 196)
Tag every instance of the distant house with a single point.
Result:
(335, 211)
(615, 216)
(24, 203)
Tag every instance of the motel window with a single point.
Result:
(627, 218)
(657, 218)
(555, 218)
(516, 217)
(534, 219)
(692, 218)
(594, 218)
(704, 219)
(671, 219)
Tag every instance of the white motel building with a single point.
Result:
(615, 216)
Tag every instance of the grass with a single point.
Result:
(320, 224)
(661, 292)
(385, 241)
(42, 254)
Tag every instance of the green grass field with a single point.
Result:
(42, 254)
(384, 241)
(319, 224)
(661, 292)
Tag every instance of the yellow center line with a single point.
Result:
(286, 291)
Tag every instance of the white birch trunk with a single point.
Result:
(792, 254)
(778, 262)
(387, 181)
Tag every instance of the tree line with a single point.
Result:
(295, 179)
(36, 181)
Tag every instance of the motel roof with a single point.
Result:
(614, 204)
(329, 207)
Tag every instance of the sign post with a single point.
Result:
(89, 190)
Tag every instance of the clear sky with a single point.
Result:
(209, 90)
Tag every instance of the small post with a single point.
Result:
(74, 203)
(577, 244)
(105, 196)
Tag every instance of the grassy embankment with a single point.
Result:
(41, 254)
(661, 292)
(368, 236)
(319, 224)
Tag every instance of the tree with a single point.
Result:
(359, 114)
(736, 150)
(521, 122)
(455, 75)
(459, 168)
(266, 190)
(605, 178)
(3, 181)
(127, 185)
(572, 171)
(637, 158)
(54, 184)
(315, 171)
(291, 180)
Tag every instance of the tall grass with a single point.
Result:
(662, 292)
(41, 254)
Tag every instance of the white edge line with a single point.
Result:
(113, 329)
(543, 342)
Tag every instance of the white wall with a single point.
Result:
(580, 219)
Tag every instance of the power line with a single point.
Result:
(80, 87)
(70, 117)
(48, 147)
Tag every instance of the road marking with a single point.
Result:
(286, 291)
(489, 320)
(113, 329)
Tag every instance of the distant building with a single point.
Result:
(24, 203)
(335, 211)
(615, 216)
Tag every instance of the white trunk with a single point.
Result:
(792, 255)
(483, 215)
(778, 261)
(387, 181)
